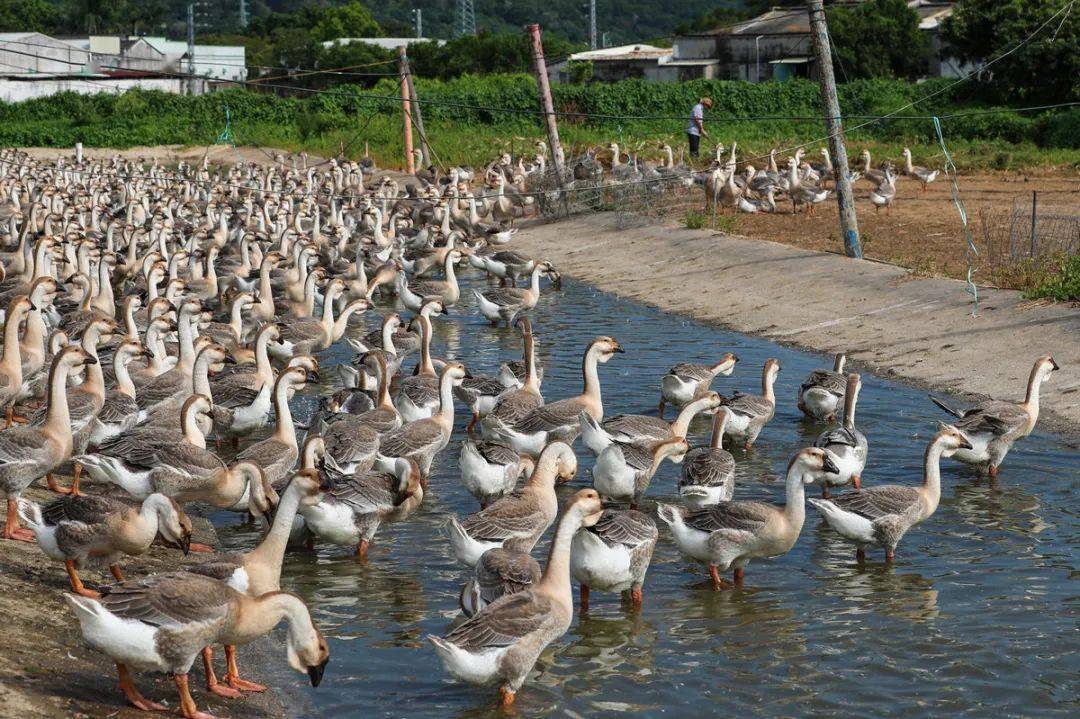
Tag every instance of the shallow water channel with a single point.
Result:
(973, 614)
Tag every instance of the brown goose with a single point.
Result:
(823, 391)
(749, 412)
(277, 453)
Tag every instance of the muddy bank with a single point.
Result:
(47, 671)
(890, 322)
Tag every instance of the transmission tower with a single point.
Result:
(466, 18)
(243, 13)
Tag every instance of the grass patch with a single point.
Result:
(1062, 285)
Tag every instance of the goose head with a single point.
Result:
(771, 370)
(1043, 367)
(309, 485)
(307, 650)
(456, 372)
(173, 523)
(564, 459)
(814, 462)
(727, 363)
(606, 348)
(950, 439)
(586, 506)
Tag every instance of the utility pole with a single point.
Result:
(191, 47)
(466, 18)
(592, 24)
(243, 13)
(546, 105)
(849, 226)
(403, 68)
(418, 15)
(414, 106)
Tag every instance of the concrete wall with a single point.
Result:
(18, 90)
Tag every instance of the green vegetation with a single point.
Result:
(1063, 285)
(468, 119)
(898, 49)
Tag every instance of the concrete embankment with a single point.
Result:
(914, 329)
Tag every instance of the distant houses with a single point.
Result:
(775, 45)
(36, 65)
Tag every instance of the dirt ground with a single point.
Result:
(923, 231)
(48, 671)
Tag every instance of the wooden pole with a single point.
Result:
(403, 68)
(546, 105)
(418, 116)
(845, 199)
(1034, 213)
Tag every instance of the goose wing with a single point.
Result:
(837, 436)
(504, 296)
(996, 417)
(304, 330)
(172, 599)
(233, 395)
(503, 622)
(117, 408)
(410, 438)
(878, 502)
(504, 571)
(367, 492)
(825, 379)
(748, 405)
(627, 527)
(735, 517)
(496, 453)
(691, 371)
(351, 441)
(550, 416)
(420, 389)
(512, 516)
(89, 509)
(19, 445)
(426, 288)
(221, 567)
(707, 467)
(632, 427)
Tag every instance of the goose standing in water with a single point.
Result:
(823, 391)
(518, 520)
(490, 470)
(420, 441)
(162, 622)
(626, 428)
(686, 381)
(560, 421)
(614, 554)
(882, 515)
(500, 644)
(516, 402)
(708, 474)
(730, 534)
(624, 470)
(847, 444)
(992, 426)
(750, 412)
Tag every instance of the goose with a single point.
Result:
(749, 412)
(884, 193)
(498, 573)
(162, 622)
(119, 412)
(518, 520)
(504, 303)
(708, 473)
(624, 470)
(882, 515)
(922, 174)
(277, 454)
(823, 391)
(501, 643)
(258, 570)
(630, 428)
(560, 420)
(175, 384)
(413, 293)
(686, 381)
(730, 534)
(382, 418)
(231, 334)
(387, 332)
(29, 453)
(12, 387)
(992, 426)
(418, 395)
(425, 438)
(351, 512)
(613, 555)
(490, 470)
(846, 443)
(351, 443)
(79, 530)
(874, 176)
(513, 404)
(307, 336)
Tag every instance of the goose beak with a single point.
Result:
(229, 359)
(829, 465)
(1054, 365)
(185, 544)
(315, 673)
(312, 376)
(965, 443)
(90, 360)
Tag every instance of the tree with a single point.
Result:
(1045, 69)
(350, 20)
(879, 38)
(28, 16)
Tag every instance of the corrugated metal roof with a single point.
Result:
(638, 51)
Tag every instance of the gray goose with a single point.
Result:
(514, 404)
(277, 453)
(688, 380)
(750, 413)
(631, 428)
(848, 445)
(708, 473)
(823, 391)
(499, 572)
(614, 554)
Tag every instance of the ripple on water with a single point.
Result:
(973, 615)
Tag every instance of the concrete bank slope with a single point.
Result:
(917, 330)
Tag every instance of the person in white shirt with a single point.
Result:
(696, 129)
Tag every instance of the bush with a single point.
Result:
(1062, 286)
(1062, 130)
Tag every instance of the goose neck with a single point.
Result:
(589, 374)
(271, 551)
(532, 380)
(555, 581)
(686, 416)
(446, 399)
(931, 487)
(285, 430)
(124, 385)
(719, 424)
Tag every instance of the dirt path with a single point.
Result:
(48, 671)
(918, 330)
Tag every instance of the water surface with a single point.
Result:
(976, 615)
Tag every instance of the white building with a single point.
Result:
(216, 62)
(386, 43)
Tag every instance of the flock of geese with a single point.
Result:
(155, 317)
